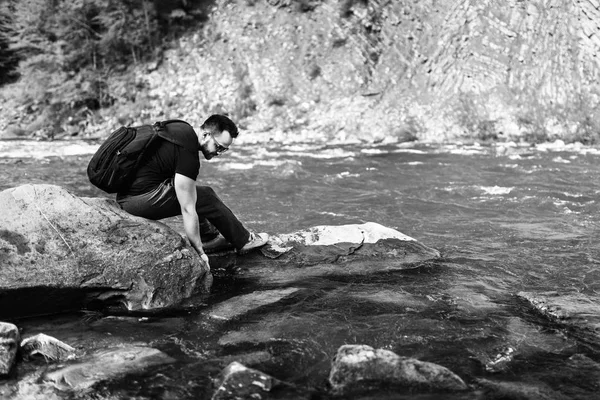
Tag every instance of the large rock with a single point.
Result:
(356, 366)
(9, 344)
(330, 250)
(58, 251)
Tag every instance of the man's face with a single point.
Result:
(215, 144)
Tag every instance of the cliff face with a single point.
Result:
(368, 69)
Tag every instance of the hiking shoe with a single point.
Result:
(256, 240)
(217, 244)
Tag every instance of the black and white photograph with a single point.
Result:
(300, 199)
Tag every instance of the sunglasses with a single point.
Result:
(219, 148)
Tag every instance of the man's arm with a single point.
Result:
(185, 189)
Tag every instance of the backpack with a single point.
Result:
(113, 166)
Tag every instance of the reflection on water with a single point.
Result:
(505, 221)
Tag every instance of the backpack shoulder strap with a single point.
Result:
(160, 125)
(188, 140)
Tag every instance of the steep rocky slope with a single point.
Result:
(368, 69)
(373, 69)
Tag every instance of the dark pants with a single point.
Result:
(212, 212)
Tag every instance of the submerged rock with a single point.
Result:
(9, 344)
(240, 305)
(496, 390)
(47, 346)
(59, 251)
(520, 340)
(240, 382)
(332, 250)
(576, 311)
(359, 366)
(105, 365)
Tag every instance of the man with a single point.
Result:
(165, 186)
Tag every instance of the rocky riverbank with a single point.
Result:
(336, 310)
(89, 251)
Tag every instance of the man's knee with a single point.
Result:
(205, 191)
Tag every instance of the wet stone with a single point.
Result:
(9, 344)
(497, 390)
(46, 346)
(520, 339)
(398, 298)
(105, 365)
(240, 305)
(360, 367)
(240, 382)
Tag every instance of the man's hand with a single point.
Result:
(204, 261)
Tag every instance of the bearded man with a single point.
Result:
(165, 186)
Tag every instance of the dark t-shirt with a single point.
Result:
(164, 159)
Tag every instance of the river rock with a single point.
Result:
(46, 346)
(105, 365)
(332, 250)
(59, 251)
(496, 390)
(240, 305)
(9, 344)
(576, 311)
(356, 366)
(240, 382)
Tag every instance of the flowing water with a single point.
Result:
(505, 219)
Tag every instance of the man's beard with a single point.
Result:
(207, 154)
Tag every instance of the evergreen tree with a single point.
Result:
(68, 49)
(9, 59)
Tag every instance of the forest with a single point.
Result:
(57, 57)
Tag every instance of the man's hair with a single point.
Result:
(218, 123)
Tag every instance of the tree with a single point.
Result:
(9, 59)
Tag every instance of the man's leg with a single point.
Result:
(211, 207)
(162, 203)
(207, 230)
(157, 204)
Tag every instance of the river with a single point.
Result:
(506, 218)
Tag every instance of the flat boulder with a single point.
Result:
(332, 250)
(363, 367)
(59, 251)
